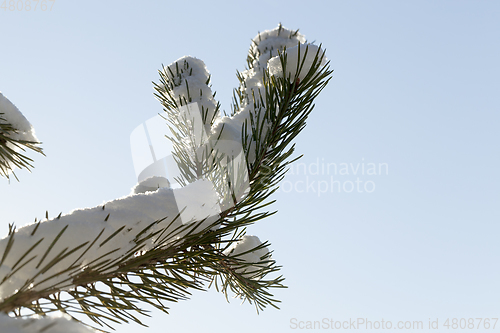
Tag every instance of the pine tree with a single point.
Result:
(160, 243)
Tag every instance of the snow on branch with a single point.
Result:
(16, 134)
(14, 117)
(97, 238)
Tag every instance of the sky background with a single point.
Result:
(415, 87)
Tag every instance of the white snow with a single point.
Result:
(303, 56)
(242, 250)
(266, 44)
(10, 114)
(13, 116)
(188, 76)
(128, 216)
(151, 184)
(60, 323)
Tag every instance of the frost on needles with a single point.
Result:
(159, 242)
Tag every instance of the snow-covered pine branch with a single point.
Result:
(16, 135)
(158, 242)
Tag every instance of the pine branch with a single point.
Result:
(167, 258)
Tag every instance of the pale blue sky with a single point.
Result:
(415, 86)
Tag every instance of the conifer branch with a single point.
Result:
(168, 258)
